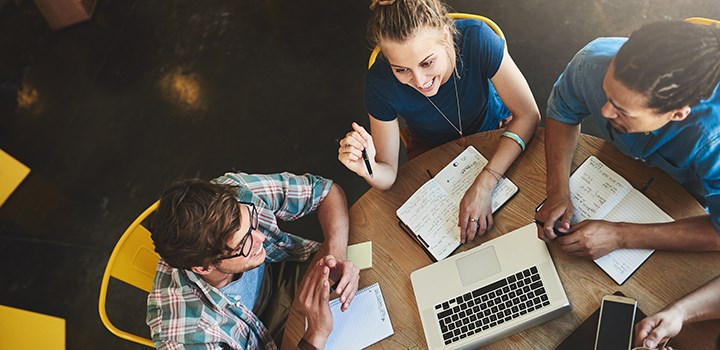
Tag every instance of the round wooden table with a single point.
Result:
(665, 277)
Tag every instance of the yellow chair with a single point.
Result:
(21, 329)
(453, 15)
(133, 261)
(704, 21)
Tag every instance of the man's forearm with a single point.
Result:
(335, 223)
(689, 234)
(560, 142)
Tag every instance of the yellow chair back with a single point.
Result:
(133, 261)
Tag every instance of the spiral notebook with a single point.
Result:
(364, 323)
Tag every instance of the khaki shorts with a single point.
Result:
(277, 294)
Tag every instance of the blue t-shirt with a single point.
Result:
(245, 289)
(479, 56)
(687, 150)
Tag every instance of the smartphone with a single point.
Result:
(615, 326)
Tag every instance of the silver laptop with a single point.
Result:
(482, 295)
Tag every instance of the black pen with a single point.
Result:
(367, 162)
(557, 223)
(647, 185)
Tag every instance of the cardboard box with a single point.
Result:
(62, 13)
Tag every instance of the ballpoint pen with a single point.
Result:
(367, 162)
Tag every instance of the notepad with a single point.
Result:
(431, 213)
(360, 254)
(364, 323)
(598, 192)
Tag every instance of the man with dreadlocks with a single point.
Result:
(655, 97)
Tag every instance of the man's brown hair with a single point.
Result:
(194, 221)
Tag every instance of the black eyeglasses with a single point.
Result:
(244, 247)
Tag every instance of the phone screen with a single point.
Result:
(616, 325)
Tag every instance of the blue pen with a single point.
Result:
(367, 162)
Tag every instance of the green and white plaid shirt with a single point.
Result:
(185, 312)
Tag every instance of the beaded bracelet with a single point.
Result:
(513, 136)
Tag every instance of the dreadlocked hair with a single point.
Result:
(672, 63)
(194, 221)
(397, 20)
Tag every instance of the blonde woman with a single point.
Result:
(448, 79)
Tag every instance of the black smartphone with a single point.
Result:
(615, 325)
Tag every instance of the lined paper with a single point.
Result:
(432, 211)
(598, 192)
(364, 323)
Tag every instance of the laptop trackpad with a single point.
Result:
(478, 265)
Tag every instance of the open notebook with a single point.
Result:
(431, 213)
(598, 192)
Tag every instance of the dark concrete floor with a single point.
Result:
(106, 113)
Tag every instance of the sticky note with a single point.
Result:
(361, 255)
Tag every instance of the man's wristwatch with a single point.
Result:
(304, 345)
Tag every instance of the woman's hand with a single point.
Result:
(351, 147)
(475, 214)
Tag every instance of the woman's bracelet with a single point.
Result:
(494, 174)
(513, 136)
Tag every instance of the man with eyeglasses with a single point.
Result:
(228, 274)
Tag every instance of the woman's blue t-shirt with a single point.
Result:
(479, 56)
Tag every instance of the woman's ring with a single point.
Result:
(473, 220)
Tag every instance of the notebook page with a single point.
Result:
(457, 177)
(364, 323)
(635, 207)
(431, 214)
(595, 190)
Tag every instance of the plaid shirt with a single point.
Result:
(185, 312)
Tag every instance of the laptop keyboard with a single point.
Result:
(491, 305)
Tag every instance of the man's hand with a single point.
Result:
(346, 275)
(557, 207)
(653, 331)
(591, 239)
(314, 299)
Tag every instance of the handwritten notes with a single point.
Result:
(595, 190)
(364, 323)
(598, 192)
(432, 211)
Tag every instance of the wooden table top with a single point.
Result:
(665, 277)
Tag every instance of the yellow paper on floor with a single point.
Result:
(12, 173)
(21, 329)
